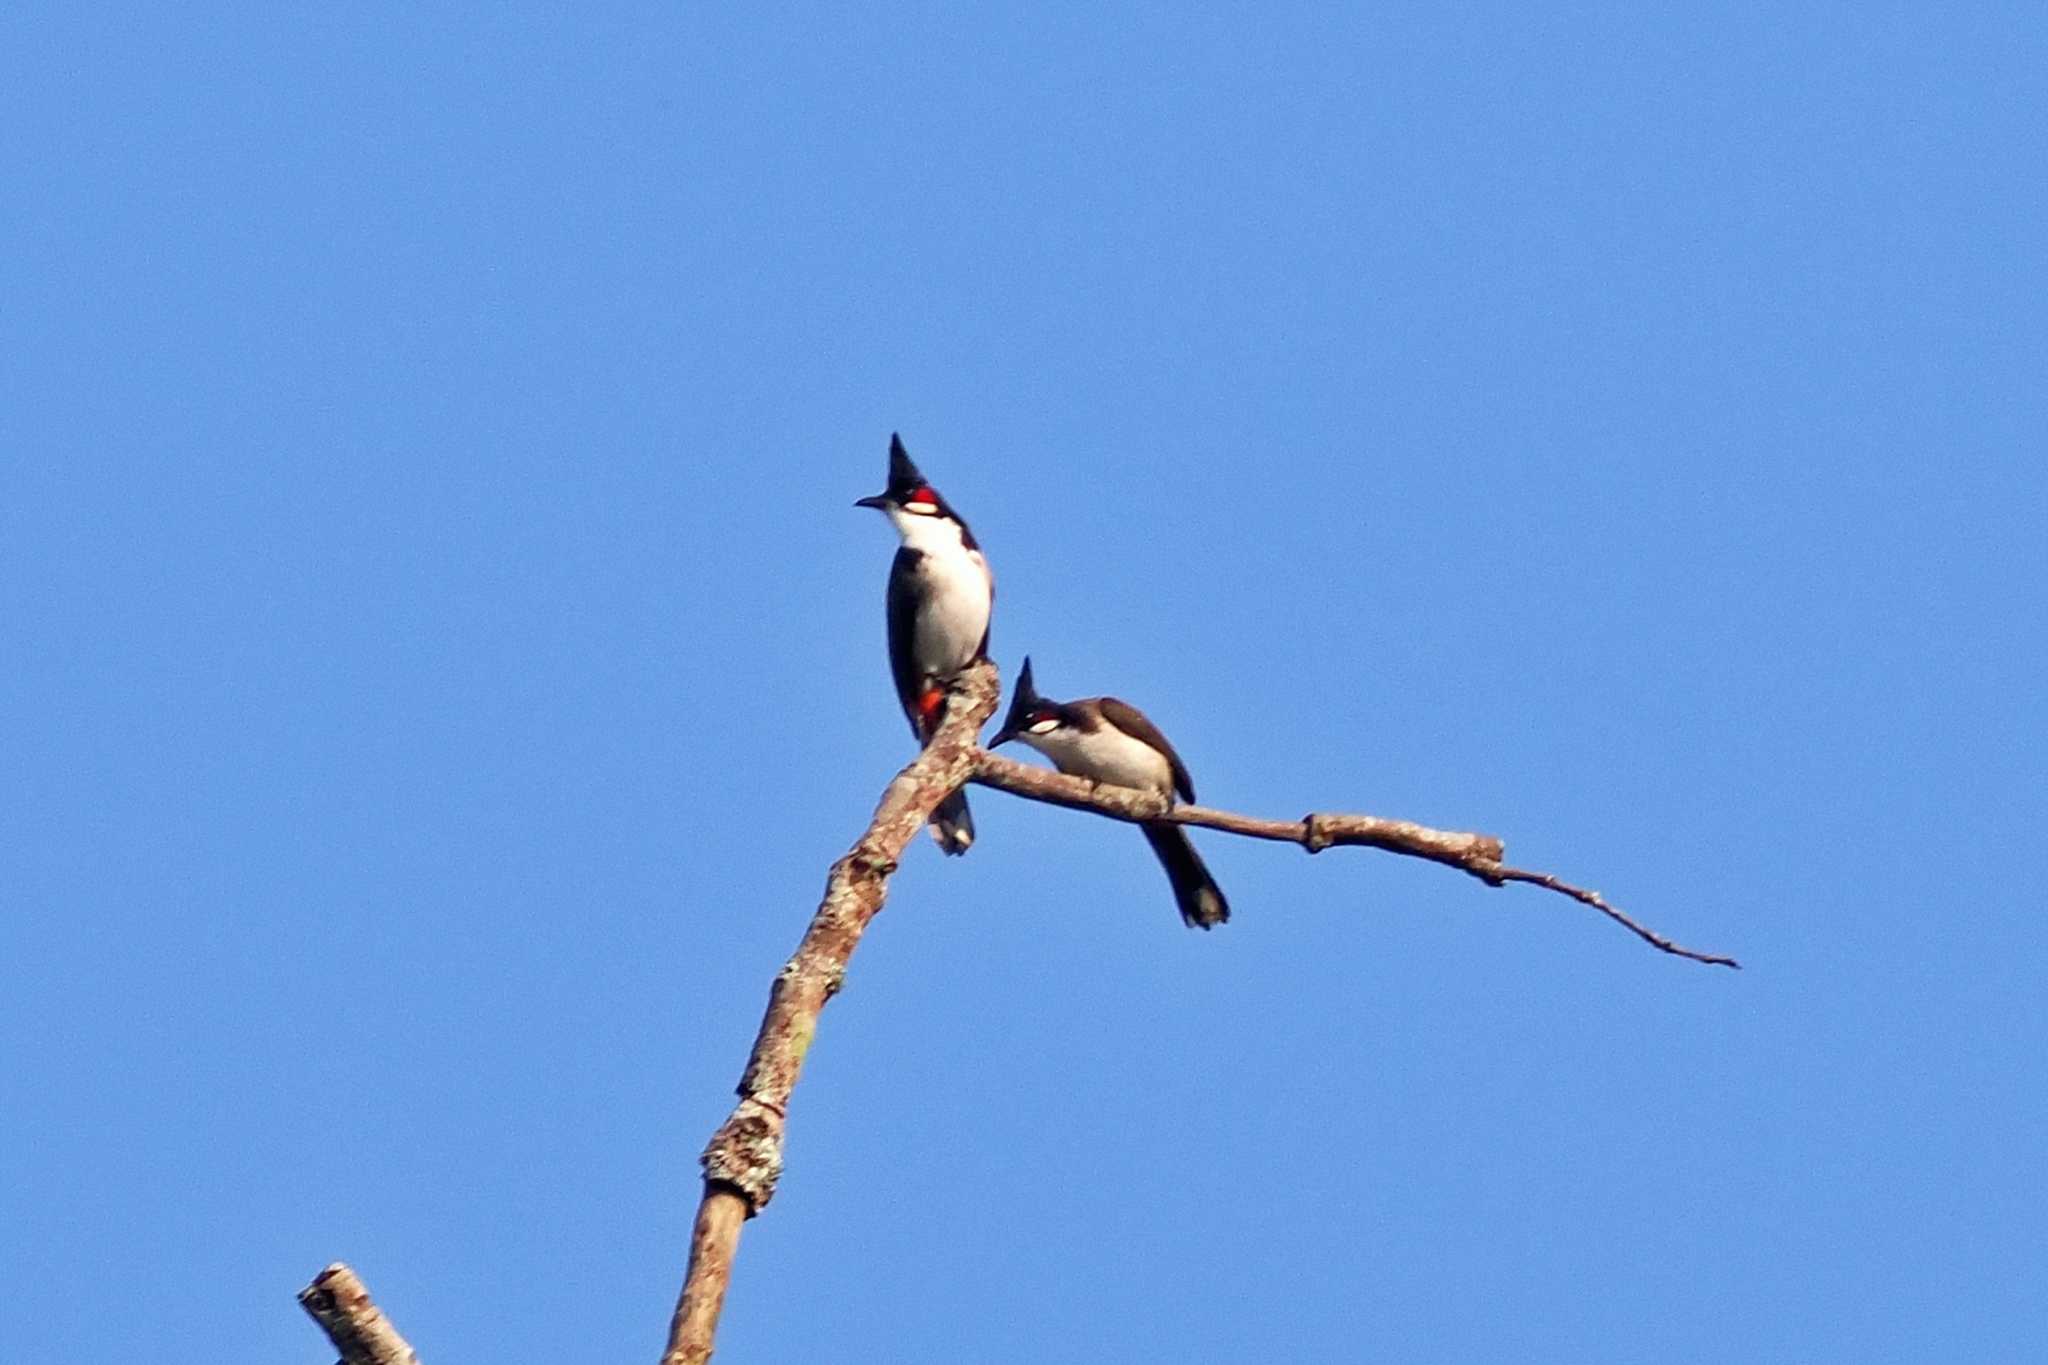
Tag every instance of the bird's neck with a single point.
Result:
(930, 535)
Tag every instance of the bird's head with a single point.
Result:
(910, 499)
(1031, 716)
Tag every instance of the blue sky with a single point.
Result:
(443, 659)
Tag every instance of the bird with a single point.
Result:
(1112, 741)
(941, 595)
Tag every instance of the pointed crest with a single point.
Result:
(1023, 697)
(903, 474)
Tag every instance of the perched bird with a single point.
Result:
(1112, 741)
(940, 595)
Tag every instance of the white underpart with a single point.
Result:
(958, 591)
(1107, 755)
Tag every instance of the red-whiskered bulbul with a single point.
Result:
(940, 595)
(1112, 741)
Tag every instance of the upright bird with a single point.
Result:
(1112, 741)
(940, 595)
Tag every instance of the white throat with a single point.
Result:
(928, 534)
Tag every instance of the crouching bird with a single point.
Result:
(1112, 741)
(941, 594)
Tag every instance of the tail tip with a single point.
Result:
(1206, 909)
(953, 840)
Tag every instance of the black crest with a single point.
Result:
(904, 476)
(1024, 699)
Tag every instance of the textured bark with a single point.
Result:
(1480, 855)
(714, 1241)
(1467, 852)
(744, 1158)
(358, 1328)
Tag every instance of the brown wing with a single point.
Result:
(1131, 721)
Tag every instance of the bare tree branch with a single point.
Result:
(1598, 902)
(1314, 833)
(337, 1300)
(1480, 855)
(744, 1158)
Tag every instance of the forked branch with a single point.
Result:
(744, 1158)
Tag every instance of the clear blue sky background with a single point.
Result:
(442, 658)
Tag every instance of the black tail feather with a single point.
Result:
(1201, 901)
(952, 825)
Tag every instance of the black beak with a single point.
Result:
(1003, 736)
(880, 502)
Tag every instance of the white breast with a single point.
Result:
(957, 596)
(1107, 755)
